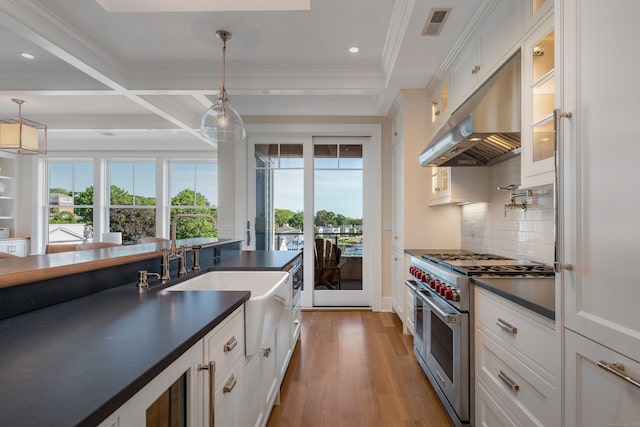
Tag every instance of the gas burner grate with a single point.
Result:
(444, 257)
(516, 270)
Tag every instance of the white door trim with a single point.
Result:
(372, 246)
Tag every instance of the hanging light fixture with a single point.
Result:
(22, 136)
(221, 123)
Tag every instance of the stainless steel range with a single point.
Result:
(443, 338)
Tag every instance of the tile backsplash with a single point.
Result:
(488, 228)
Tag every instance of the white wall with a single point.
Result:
(520, 235)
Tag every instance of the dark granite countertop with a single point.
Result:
(535, 293)
(258, 260)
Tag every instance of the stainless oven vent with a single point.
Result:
(485, 129)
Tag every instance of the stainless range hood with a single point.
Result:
(486, 128)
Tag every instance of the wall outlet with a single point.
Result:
(386, 225)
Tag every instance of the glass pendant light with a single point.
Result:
(221, 123)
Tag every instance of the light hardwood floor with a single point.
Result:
(355, 368)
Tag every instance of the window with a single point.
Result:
(132, 199)
(193, 189)
(70, 201)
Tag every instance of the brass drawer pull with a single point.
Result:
(230, 345)
(230, 384)
(508, 381)
(211, 367)
(507, 326)
(617, 369)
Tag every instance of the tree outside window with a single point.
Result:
(193, 189)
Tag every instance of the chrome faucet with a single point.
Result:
(174, 225)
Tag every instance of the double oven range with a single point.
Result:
(443, 310)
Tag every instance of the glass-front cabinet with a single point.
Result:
(539, 88)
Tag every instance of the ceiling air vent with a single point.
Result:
(435, 22)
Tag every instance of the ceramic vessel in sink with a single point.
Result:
(270, 295)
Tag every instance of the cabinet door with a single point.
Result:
(595, 396)
(464, 74)
(600, 89)
(499, 36)
(397, 183)
(398, 284)
(538, 99)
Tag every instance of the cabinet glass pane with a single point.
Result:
(444, 179)
(444, 98)
(542, 53)
(543, 140)
(435, 112)
(543, 99)
(536, 4)
(170, 409)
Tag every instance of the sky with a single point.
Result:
(338, 191)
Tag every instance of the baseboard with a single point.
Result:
(387, 304)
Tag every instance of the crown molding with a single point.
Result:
(398, 24)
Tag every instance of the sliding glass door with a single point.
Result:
(308, 193)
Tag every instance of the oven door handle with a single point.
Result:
(444, 315)
(411, 284)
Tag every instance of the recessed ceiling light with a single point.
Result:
(27, 55)
(354, 49)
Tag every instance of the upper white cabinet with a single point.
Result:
(538, 103)
(496, 40)
(534, 10)
(458, 185)
(600, 237)
(440, 103)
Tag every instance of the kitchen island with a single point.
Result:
(77, 361)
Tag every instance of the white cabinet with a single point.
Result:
(219, 355)
(496, 40)
(595, 394)
(440, 103)
(148, 405)
(458, 185)
(397, 291)
(600, 238)
(517, 364)
(224, 348)
(538, 104)
(17, 247)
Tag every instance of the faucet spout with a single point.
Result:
(174, 225)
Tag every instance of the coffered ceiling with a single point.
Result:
(106, 78)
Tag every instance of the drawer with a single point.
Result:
(229, 399)
(530, 398)
(226, 344)
(530, 336)
(489, 412)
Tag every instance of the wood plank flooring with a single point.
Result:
(355, 368)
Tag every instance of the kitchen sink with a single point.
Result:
(270, 295)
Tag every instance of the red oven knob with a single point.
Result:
(439, 286)
(412, 271)
(448, 294)
(432, 283)
(443, 290)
